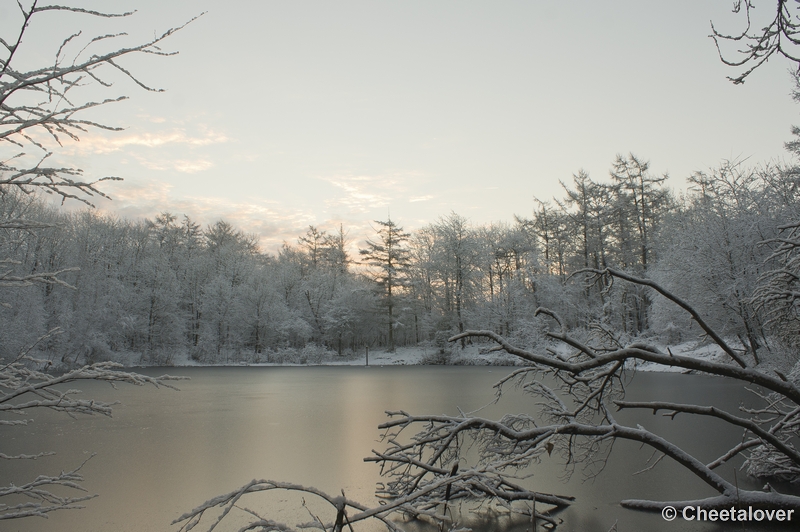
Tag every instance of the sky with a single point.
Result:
(278, 115)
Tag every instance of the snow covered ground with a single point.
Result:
(419, 355)
(473, 355)
(710, 352)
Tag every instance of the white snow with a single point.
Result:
(710, 352)
(473, 355)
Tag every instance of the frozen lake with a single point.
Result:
(165, 452)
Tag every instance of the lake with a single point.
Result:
(164, 452)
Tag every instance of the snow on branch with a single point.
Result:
(8, 280)
(26, 385)
(781, 36)
(586, 384)
(675, 299)
(56, 115)
(42, 501)
(767, 436)
(340, 504)
(23, 387)
(647, 355)
(779, 286)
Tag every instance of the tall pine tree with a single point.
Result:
(390, 260)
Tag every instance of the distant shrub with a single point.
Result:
(309, 354)
(437, 358)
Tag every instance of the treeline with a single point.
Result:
(158, 287)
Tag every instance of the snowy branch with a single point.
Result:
(229, 501)
(766, 436)
(24, 388)
(589, 379)
(8, 280)
(638, 353)
(781, 36)
(56, 116)
(43, 500)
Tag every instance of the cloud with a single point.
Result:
(365, 193)
(134, 200)
(272, 223)
(361, 193)
(191, 167)
(102, 144)
(352, 200)
(179, 165)
(153, 119)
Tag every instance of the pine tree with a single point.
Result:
(390, 259)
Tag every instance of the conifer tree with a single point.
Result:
(390, 259)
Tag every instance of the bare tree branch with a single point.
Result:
(781, 36)
(23, 388)
(588, 380)
(767, 436)
(44, 501)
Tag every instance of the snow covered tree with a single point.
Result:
(776, 295)
(456, 263)
(389, 259)
(778, 292)
(589, 207)
(349, 315)
(505, 276)
(313, 242)
(323, 270)
(713, 255)
(551, 228)
(422, 278)
(40, 108)
(334, 251)
(641, 201)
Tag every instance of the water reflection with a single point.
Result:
(164, 452)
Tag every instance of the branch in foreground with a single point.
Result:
(18, 380)
(18, 281)
(767, 437)
(588, 378)
(229, 501)
(780, 37)
(639, 353)
(675, 299)
(43, 501)
(402, 460)
(22, 388)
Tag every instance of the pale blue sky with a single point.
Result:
(278, 115)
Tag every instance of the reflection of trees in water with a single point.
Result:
(432, 462)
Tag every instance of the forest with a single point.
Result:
(165, 285)
(616, 271)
